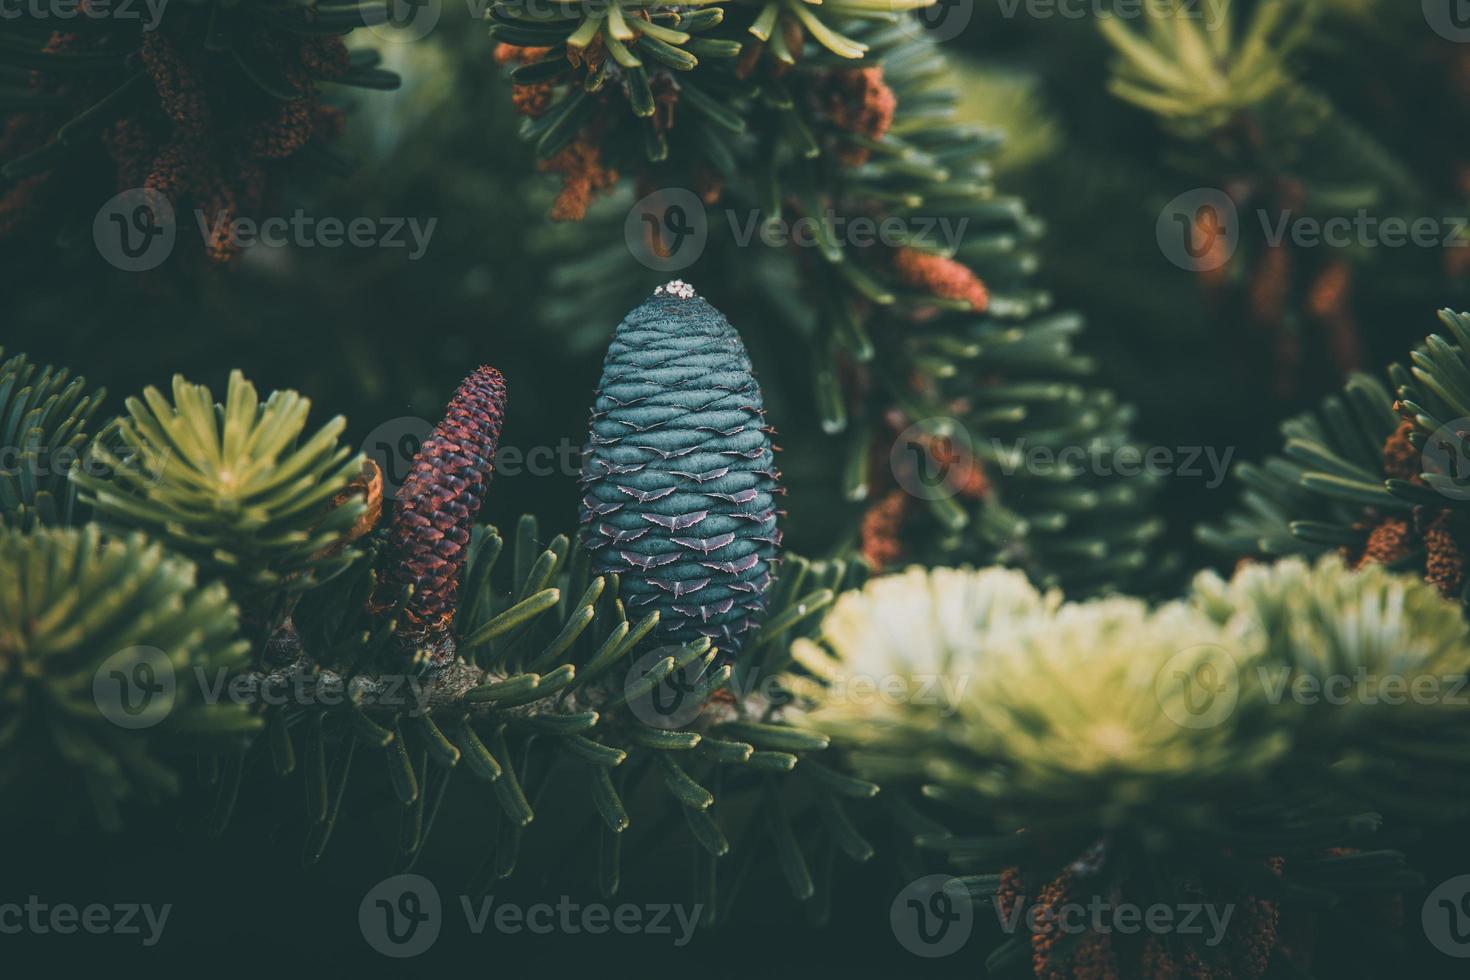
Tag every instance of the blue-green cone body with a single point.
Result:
(679, 476)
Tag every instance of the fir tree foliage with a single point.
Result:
(555, 695)
(202, 103)
(85, 621)
(240, 487)
(1390, 654)
(955, 346)
(1199, 66)
(550, 691)
(45, 417)
(611, 678)
(1312, 498)
(1069, 762)
(1048, 697)
(1377, 473)
(633, 47)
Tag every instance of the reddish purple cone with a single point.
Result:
(429, 536)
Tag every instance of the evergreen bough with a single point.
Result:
(532, 694)
(957, 351)
(1378, 473)
(206, 107)
(103, 641)
(1107, 751)
(238, 486)
(45, 417)
(552, 684)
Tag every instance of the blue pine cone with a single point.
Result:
(679, 475)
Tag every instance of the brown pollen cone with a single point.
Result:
(583, 176)
(967, 477)
(1060, 952)
(508, 53)
(1433, 533)
(529, 100)
(1053, 957)
(1444, 563)
(1330, 301)
(1401, 461)
(942, 277)
(882, 529)
(192, 130)
(1389, 542)
(857, 100)
(429, 533)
